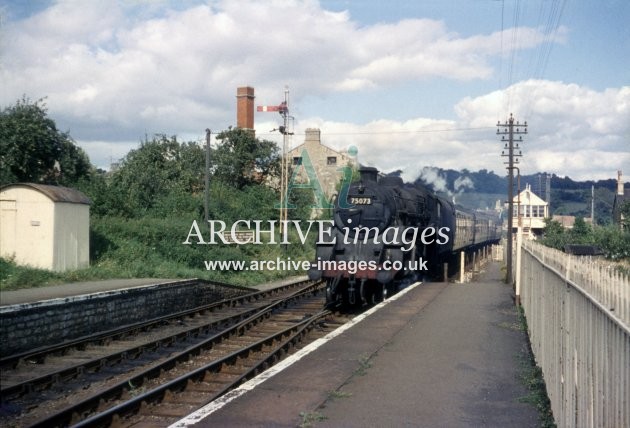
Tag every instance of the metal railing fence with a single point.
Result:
(578, 315)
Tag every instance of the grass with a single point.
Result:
(532, 377)
(364, 365)
(308, 418)
(153, 247)
(338, 394)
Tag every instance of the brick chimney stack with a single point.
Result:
(245, 107)
(619, 183)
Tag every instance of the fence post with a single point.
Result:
(519, 239)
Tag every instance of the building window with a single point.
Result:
(332, 160)
(297, 160)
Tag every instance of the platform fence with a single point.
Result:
(578, 315)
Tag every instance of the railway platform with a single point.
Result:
(442, 355)
(60, 291)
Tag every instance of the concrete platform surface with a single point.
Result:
(444, 355)
(31, 295)
(36, 294)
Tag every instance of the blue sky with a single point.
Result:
(410, 83)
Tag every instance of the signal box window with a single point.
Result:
(332, 160)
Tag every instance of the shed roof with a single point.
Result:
(55, 193)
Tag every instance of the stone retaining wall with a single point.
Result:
(28, 326)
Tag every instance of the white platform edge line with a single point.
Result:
(217, 404)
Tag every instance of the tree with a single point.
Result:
(242, 160)
(162, 176)
(32, 149)
(554, 235)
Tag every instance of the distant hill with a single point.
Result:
(481, 189)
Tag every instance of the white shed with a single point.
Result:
(45, 226)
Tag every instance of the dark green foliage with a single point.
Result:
(242, 160)
(162, 177)
(532, 378)
(625, 213)
(13, 276)
(614, 242)
(554, 235)
(95, 185)
(581, 233)
(303, 200)
(32, 149)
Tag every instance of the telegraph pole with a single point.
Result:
(507, 129)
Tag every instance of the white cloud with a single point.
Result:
(92, 59)
(114, 72)
(572, 130)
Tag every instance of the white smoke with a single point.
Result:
(432, 176)
(460, 185)
(438, 182)
(463, 183)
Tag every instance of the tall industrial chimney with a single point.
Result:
(245, 107)
(619, 183)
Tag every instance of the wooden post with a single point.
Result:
(517, 290)
(445, 272)
(462, 267)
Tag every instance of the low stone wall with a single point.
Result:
(28, 326)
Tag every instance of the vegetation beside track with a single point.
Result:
(532, 377)
(153, 248)
(143, 208)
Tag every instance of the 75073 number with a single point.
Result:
(360, 201)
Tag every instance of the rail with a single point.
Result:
(159, 372)
(578, 314)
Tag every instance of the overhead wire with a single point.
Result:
(499, 107)
(389, 132)
(513, 50)
(543, 53)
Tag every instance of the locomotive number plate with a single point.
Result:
(360, 201)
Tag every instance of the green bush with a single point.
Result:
(614, 242)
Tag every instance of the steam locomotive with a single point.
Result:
(386, 232)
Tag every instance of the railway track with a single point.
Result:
(169, 366)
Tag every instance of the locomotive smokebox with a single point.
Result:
(368, 174)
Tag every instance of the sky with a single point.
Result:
(410, 83)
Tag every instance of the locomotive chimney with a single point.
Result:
(368, 174)
(245, 108)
